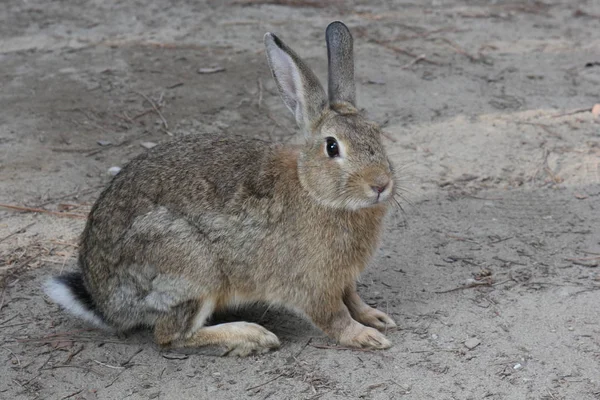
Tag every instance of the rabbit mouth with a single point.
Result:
(381, 197)
(379, 192)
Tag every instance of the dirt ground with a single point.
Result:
(491, 272)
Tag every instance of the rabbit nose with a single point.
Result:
(380, 185)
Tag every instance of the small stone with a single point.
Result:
(211, 70)
(114, 170)
(472, 343)
(405, 387)
(596, 110)
(376, 82)
(148, 145)
(518, 366)
(175, 356)
(104, 142)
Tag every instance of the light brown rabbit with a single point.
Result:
(208, 222)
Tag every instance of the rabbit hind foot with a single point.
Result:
(239, 338)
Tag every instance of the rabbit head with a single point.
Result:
(343, 163)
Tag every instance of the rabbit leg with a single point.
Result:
(180, 321)
(336, 322)
(239, 338)
(184, 327)
(365, 314)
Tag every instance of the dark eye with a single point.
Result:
(332, 147)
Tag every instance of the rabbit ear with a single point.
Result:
(341, 64)
(298, 86)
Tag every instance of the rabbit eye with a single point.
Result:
(332, 147)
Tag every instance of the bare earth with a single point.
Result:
(492, 273)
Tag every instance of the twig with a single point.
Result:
(47, 360)
(88, 369)
(13, 353)
(577, 111)
(414, 61)
(124, 142)
(461, 51)
(74, 338)
(54, 335)
(71, 395)
(318, 395)
(125, 363)
(501, 240)
(72, 150)
(2, 300)
(73, 354)
(26, 382)
(77, 193)
(22, 262)
(461, 239)
(388, 137)
(303, 347)
(468, 286)
(41, 210)
(324, 346)
(402, 51)
(145, 112)
(156, 110)
(107, 365)
(583, 258)
(175, 85)
(260, 92)
(17, 232)
(481, 198)
(116, 377)
(265, 383)
(542, 165)
(289, 3)
(546, 128)
(503, 282)
(11, 325)
(590, 252)
(126, 117)
(9, 319)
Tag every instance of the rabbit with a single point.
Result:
(205, 223)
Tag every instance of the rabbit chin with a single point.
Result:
(355, 203)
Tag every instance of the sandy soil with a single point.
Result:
(492, 272)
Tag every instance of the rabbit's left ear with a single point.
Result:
(298, 86)
(341, 64)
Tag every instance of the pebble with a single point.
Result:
(211, 70)
(148, 145)
(114, 170)
(104, 142)
(472, 343)
(518, 366)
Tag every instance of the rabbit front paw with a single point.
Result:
(364, 337)
(251, 339)
(376, 319)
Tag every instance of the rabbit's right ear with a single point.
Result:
(298, 86)
(341, 64)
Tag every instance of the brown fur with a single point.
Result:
(206, 222)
